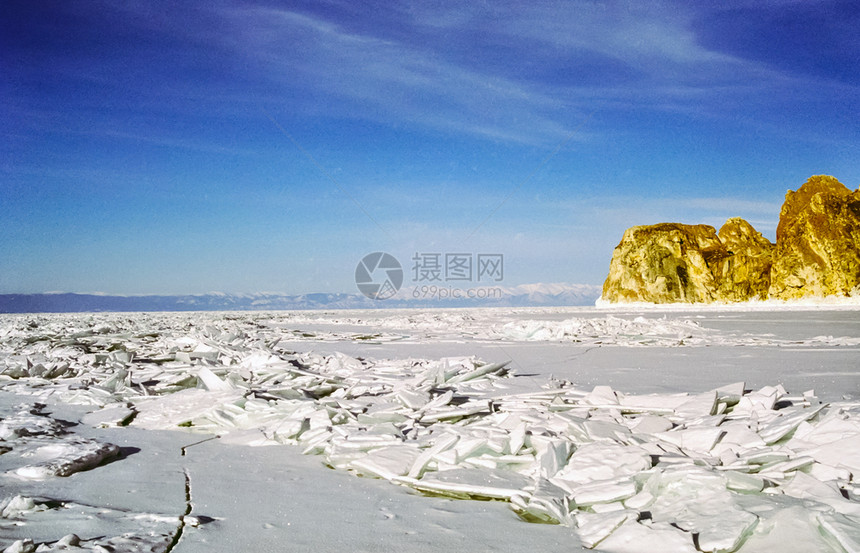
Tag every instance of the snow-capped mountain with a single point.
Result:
(524, 295)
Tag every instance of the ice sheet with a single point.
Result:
(558, 450)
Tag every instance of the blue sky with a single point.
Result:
(150, 147)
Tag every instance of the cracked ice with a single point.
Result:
(729, 469)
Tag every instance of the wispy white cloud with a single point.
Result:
(433, 64)
(369, 77)
(632, 32)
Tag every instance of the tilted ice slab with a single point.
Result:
(40, 446)
(65, 457)
(724, 470)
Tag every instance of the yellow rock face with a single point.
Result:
(664, 263)
(744, 273)
(796, 202)
(817, 254)
(818, 241)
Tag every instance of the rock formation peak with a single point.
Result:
(817, 254)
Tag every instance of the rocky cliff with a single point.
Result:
(817, 241)
(744, 272)
(817, 253)
(664, 263)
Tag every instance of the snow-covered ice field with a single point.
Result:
(552, 429)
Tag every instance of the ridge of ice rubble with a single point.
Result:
(610, 329)
(725, 470)
(492, 325)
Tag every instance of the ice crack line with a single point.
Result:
(188, 503)
(181, 528)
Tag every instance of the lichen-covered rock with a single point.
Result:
(664, 263)
(818, 241)
(744, 273)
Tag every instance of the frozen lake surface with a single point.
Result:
(720, 429)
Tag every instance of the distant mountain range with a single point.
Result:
(524, 295)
